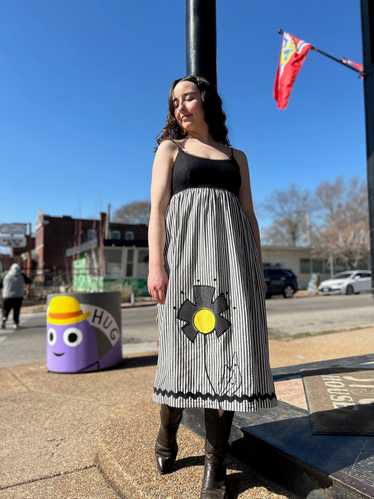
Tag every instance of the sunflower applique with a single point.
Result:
(203, 316)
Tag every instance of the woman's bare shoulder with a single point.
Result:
(167, 145)
(240, 155)
(168, 149)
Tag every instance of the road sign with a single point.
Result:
(13, 235)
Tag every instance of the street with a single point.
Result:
(287, 318)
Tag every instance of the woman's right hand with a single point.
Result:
(157, 284)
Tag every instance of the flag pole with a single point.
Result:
(340, 61)
(201, 39)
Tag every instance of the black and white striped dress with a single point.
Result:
(213, 349)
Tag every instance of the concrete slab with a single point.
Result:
(49, 422)
(292, 392)
(113, 387)
(126, 458)
(43, 435)
(10, 383)
(341, 403)
(85, 484)
(55, 427)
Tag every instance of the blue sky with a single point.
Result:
(83, 94)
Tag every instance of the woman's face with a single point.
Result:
(187, 105)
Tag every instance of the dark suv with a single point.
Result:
(280, 282)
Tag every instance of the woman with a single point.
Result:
(205, 272)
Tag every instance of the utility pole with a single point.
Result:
(367, 24)
(201, 39)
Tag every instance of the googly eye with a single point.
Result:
(73, 337)
(51, 336)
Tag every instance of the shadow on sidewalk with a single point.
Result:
(134, 362)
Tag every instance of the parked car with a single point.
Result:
(347, 283)
(280, 281)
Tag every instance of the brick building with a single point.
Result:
(23, 256)
(60, 240)
(6, 261)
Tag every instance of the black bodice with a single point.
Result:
(194, 171)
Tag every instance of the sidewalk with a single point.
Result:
(91, 436)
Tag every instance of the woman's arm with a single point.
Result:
(160, 197)
(245, 196)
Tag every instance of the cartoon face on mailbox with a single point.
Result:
(76, 340)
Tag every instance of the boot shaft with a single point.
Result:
(166, 446)
(217, 429)
(170, 417)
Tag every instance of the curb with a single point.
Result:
(37, 309)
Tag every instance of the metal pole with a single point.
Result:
(201, 51)
(367, 24)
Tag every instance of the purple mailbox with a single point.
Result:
(83, 331)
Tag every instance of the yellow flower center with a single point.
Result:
(204, 320)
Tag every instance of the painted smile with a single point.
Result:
(58, 354)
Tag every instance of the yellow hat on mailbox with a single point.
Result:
(63, 310)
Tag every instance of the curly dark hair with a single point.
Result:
(213, 113)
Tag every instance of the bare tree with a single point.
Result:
(291, 211)
(330, 199)
(343, 229)
(136, 212)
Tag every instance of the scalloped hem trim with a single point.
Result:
(244, 403)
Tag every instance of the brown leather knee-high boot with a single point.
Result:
(216, 442)
(166, 447)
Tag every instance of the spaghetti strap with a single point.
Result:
(179, 147)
